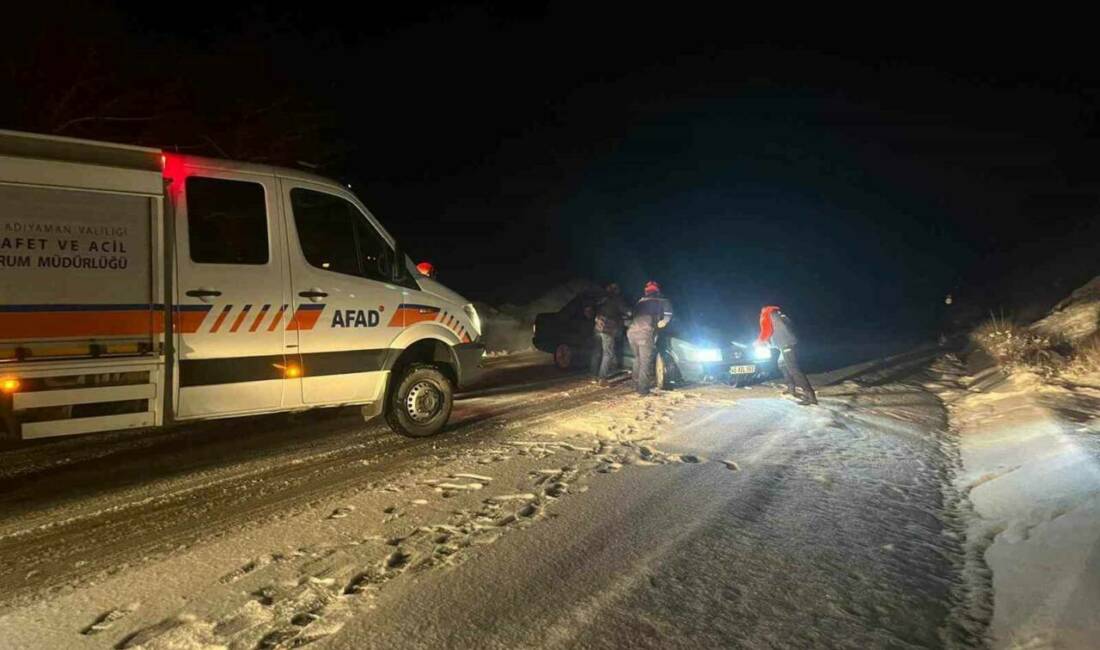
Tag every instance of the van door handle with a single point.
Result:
(204, 293)
(313, 294)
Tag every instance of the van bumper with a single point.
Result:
(469, 356)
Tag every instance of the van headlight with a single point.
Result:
(761, 352)
(475, 321)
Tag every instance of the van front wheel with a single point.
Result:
(421, 402)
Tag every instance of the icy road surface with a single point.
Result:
(554, 514)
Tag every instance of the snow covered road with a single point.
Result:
(74, 508)
(554, 514)
(785, 527)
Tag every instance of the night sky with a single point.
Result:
(852, 180)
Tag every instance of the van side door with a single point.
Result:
(345, 305)
(231, 292)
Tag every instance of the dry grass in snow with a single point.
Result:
(1016, 347)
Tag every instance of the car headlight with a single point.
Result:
(704, 355)
(761, 352)
(475, 321)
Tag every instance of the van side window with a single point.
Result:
(335, 236)
(226, 221)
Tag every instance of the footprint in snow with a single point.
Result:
(526, 496)
(474, 477)
(107, 619)
(265, 596)
(341, 512)
(143, 636)
(689, 458)
(555, 490)
(248, 568)
(398, 560)
(395, 563)
(731, 465)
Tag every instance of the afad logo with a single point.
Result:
(355, 318)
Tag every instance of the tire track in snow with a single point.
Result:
(48, 555)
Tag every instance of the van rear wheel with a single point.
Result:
(421, 402)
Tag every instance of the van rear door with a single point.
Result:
(231, 292)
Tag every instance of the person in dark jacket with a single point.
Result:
(652, 313)
(610, 314)
(776, 330)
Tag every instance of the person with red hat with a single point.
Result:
(652, 313)
(776, 330)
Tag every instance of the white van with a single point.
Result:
(140, 287)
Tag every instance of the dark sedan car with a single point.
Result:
(685, 357)
(567, 333)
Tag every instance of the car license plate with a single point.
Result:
(742, 370)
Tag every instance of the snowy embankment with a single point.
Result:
(1030, 453)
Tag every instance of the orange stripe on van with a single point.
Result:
(45, 325)
(259, 318)
(79, 321)
(221, 319)
(275, 321)
(240, 319)
(188, 322)
(305, 317)
(407, 314)
(413, 316)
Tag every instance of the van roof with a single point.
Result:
(254, 168)
(19, 144)
(53, 147)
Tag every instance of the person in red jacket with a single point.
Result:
(776, 330)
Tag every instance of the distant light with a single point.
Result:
(9, 385)
(163, 161)
(292, 372)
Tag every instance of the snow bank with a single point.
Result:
(1030, 453)
(502, 332)
(1075, 318)
(507, 328)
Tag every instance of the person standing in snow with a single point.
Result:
(652, 313)
(776, 330)
(610, 313)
